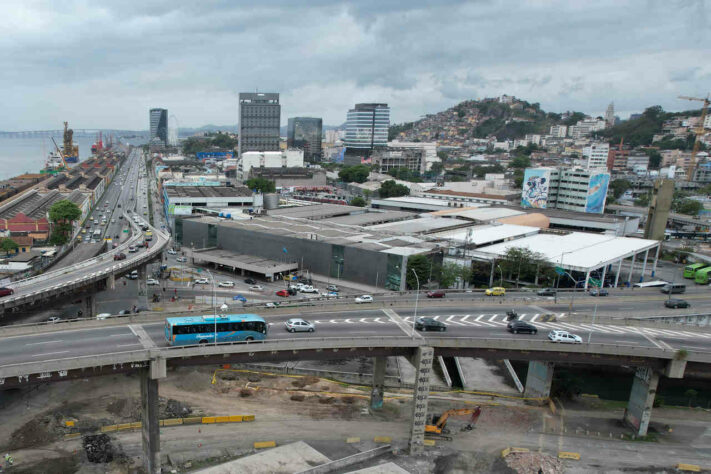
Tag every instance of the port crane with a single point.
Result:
(59, 152)
(698, 131)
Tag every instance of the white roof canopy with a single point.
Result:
(577, 251)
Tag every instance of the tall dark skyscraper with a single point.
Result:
(305, 133)
(159, 126)
(259, 121)
(366, 128)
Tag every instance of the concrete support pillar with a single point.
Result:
(493, 272)
(639, 407)
(423, 370)
(604, 274)
(111, 282)
(141, 284)
(619, 270)
(587, 280)
(150, 419)
(629, 276)
(656, 259)
(90, 306)
(539, 379)
(376, 395)
(644, 265)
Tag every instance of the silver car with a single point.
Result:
(299, 325)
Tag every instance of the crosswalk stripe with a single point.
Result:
(471, 323)
(493, 317)
(535, 316)
(521, 317)
(449, 320)
(484, 322)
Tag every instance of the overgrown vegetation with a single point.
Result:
(354, 174)
(390, 188)
(262, 185)
(209, 142)
(62, 215)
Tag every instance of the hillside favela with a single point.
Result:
(355, 237)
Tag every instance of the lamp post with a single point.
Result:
(501, 272)
(417, 297)
(214, 307)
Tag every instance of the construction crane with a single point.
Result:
(699, 131)
(439, 426)
(59, 152)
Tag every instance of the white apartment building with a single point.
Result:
(559, 131)
(573, 189)
(595, 155)
(269, 159)
(430, 149)
(585, 127)
(707, 122)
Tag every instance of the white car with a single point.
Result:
(172, 252)
(181, 259)
(152, 282)
(256, 288)
(364, 299)
(299, 325)
(201, 281)
(226, 284)
(564, 336)
(308, 289)
(103, 315)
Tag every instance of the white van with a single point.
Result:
(101, 316)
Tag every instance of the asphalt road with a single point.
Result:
(460, 321)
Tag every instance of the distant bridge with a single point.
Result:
(77, 131)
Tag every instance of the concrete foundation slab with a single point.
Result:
(294, 457)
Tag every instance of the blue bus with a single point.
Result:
(201, 329)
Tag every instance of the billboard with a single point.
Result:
(218, 155)
(597, 193)
(536, 182)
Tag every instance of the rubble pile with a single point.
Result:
(531, 463)
(98, 448)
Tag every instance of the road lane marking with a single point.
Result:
(649, 338)
(449, 320)
(535, 316)
(397, 319)
(521, 317)
(493, 317)
(49, 353)
(132, 344)
(43, 342)
(626, 342)
(142, 335)
(470, 323)
(478, 319)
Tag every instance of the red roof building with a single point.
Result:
(21, 223)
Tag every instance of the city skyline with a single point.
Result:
(418, 58)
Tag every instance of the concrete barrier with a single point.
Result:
(236, 418)
(264, 444)
(248, 418)
(108, 428)
(222, 419)
(192, 420)
(206, 420)
(171, 422)
(353, 439)
(429, 442)
(348, 460)
(513, 449)
(382, 439)
(70, 436)
(568, 455)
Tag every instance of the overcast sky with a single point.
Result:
(103, 64)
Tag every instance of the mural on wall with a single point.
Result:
(597, 193)
(535, 188)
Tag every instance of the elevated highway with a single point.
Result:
(47, 353)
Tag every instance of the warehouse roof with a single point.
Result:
(317, 211)
(486, 234)
(423, 225)
(207, 191)
(371, 218)
(486, 214)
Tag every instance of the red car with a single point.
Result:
(284, 293)
(6, 291)
(120, 256)
(435, 294)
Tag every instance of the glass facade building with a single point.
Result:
(305, 134)
(259, 121)
(159, 126)
(367, 128)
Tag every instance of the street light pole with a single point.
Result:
(214, 308)
(417, 297)
(501, 272)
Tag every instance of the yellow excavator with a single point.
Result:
(439, 427)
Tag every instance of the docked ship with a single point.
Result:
(54, 164)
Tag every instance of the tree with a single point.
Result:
(442, 155)
(518, 178)
(62, 214)
(391, 189)
(357, 174)
(525, 265)
(8, 245)
(655, 159)
(450, 273)
(261, 184)
(619, 186)
(643, 200)
(422, 266)
(689, 207)
(358, 201)
(520, 162)
(436, 168)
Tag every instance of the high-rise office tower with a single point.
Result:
(305, 133)
(366, 128)
(259, 121)
(159, 126)
(610, 115)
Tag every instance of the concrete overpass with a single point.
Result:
(87, 275)
(48, 353)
